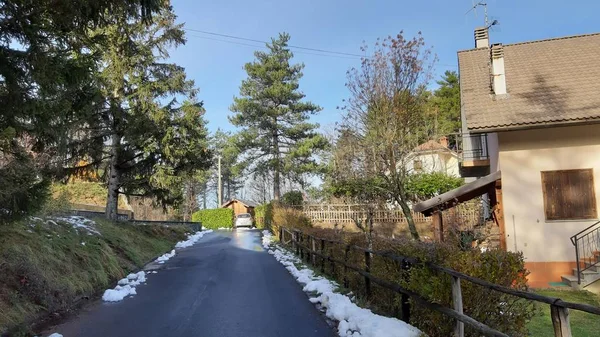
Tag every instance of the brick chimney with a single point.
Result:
(482, 37)
(443, 141)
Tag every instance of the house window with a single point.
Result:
(569, 194)
(417, 165)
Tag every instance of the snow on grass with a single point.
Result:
(78, 222)
(55, 335)
(165, 257)
(353, 320)
(192, 239)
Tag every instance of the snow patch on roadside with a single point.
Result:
(192, 239)
(353, 320)
(267, 238)
(125, 287)
(165, 257)
(55, 335)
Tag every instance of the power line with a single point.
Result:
(263, 47)
(261, 41)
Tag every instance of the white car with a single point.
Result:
(243, 220)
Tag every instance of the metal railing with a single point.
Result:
(473, 147)
(319, 252)
(587, 248)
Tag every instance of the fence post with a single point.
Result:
(560, 321)
(404, 298)
(368, 270)
(346, 253)
(301, 241)
(296, 245)
(314, 249)
(459, 329)
(281, 235)
(331, 260)
(322, 256)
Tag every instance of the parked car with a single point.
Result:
(243, 220)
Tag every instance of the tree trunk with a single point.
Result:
(204, 188)
(409, 219)
(276, 176)
(112, 201)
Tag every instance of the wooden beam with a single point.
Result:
(499, 214)
(459, 329)
(438, 226)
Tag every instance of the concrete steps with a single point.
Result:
(588, 276)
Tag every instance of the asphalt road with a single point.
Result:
(225, 285)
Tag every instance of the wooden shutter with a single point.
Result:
(569, 194)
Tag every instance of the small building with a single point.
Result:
(240, 206)
(433, 156)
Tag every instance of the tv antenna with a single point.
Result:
(486, 19)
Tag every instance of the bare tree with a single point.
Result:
(385, 118)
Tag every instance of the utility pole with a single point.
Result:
(219, 187)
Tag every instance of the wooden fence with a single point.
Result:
(314, 251)
(342, 213)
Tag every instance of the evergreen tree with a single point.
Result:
(224, 145)
(446, 103)
(42, 85)
(154, 141)
(274, 118)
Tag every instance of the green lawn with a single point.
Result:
(582, 324)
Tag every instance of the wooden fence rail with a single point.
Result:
(304, 246)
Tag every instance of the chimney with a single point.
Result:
(482, 37)
(444, 141)
(498, 74)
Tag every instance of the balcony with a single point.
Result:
(473, 154)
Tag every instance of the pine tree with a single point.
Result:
(224, 145)
(446, 101)
(42, 85)
(274, 118)
(153, 140)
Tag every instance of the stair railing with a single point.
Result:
(587, 246)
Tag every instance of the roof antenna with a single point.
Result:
(486, 19)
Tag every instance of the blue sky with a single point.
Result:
(217, 67)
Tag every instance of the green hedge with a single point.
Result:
(214, 218)
(263, 215)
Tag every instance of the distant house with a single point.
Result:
(240, 206)
(531, 120)
(433, 156)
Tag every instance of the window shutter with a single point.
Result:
(569, 194)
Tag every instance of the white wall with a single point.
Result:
(435, 161)
(522, 157)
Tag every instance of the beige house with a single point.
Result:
(531, 119)
(538, 105)
(433, 156)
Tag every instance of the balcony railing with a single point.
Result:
(471, 148)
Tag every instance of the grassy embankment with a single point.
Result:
(46, 265)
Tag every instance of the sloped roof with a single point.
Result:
(433, 146)
(244, 202)
(548, 82)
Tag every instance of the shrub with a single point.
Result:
(263, 216)
(214, 218)
(502, 312)
(289, 218)
(292, 198)
(423, 186)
